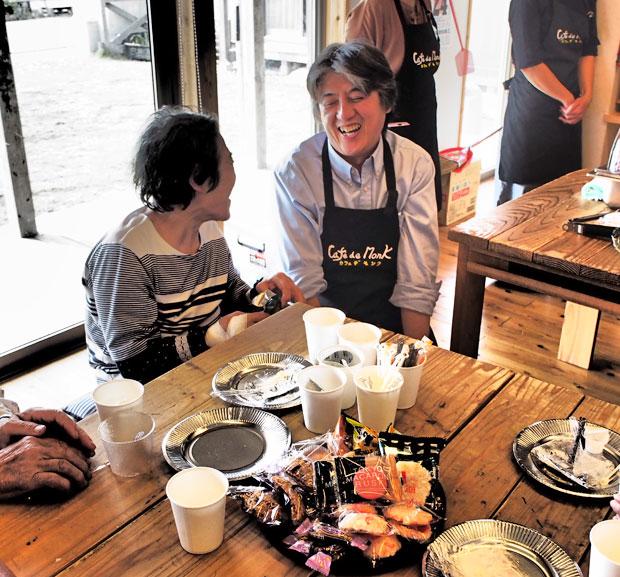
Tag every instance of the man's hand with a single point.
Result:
(59, 425)
(289, 290)
(35, 463)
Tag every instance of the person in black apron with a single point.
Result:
(417, 101)
(415, 113)
(541, 140)
(362, 251)
(355, 289)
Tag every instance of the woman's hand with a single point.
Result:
(573, 113)
(251, 318)
(615, 505)
(289, 290)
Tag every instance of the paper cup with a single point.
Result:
(198, 500)
(128, 442)
(376, 406)
(411, 385)
(364, 337)
(117, 396)
(605, 549)
(321, 408)
(321, 325)
(353, 358)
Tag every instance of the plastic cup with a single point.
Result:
(605, 549)
(321, 329)
(596, 440)
(353, 358)
(411, 385)
(117, 396)
(198, 500)
(378, 390)
(128, 442)
(321, 405)
(364, 337)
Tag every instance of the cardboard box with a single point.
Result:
(460, 191)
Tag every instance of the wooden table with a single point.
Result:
(125, 526)
(523, 242)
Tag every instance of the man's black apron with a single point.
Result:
(417, 102)
(536, 146)
(360, 249)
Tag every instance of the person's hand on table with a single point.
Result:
(56, 424)
(615, 505)
(35, 463)
(251, 318)
(289, 290)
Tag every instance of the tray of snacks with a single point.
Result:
(570, 456)
(351, 502)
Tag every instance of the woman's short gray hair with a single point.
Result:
(364, 65)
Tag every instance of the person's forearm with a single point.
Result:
(586, 76)
(415, 324)
(543, 78)
(314, 301)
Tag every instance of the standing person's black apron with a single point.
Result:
(536, 146)
(417, 101)
(360, 251)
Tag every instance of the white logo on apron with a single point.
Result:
(369, 257)
(566, 37)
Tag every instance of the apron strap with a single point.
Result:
(401, 14)
(390, 177)
(328, 184)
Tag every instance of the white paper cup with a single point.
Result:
(128, 442)
(376, 406)
(605, 549)
(198, 500)
(364, 337)
(321, 329)
(355, 361)
(321, 409)
(411, 385)
(117, 396)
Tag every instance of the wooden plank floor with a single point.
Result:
(521, 331)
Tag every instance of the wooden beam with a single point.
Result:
(20, 207)
(252, 75)
(335, 20)
(204, 16)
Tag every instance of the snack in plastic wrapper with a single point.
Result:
(382, 547)
(259, 502)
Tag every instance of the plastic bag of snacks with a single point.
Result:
(352, 500)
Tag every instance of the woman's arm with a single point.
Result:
(542, 77)
(573, 113)
(415, 324)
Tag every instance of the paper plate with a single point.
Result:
(239, 441)
(261, 380)
(497, 548)
(560, 429)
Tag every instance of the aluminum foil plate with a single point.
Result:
(560, 429)
(239, 441)
(261, 380)
(491, 547)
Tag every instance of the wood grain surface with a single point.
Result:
(125, 526)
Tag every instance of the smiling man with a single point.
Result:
(357, 203)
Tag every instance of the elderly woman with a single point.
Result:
(158, 284)
(357, 204)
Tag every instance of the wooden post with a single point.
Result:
(335, 20)
(204, 17)
(15, 168)
(187, 54)
(252, 75)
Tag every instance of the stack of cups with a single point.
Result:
(198, 500)
(364, 337)
(322, 325)
(378, 390)
(333, 357)
(321, 389)
(126, 432)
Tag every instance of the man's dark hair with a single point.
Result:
(364, 65)
(176, 145)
